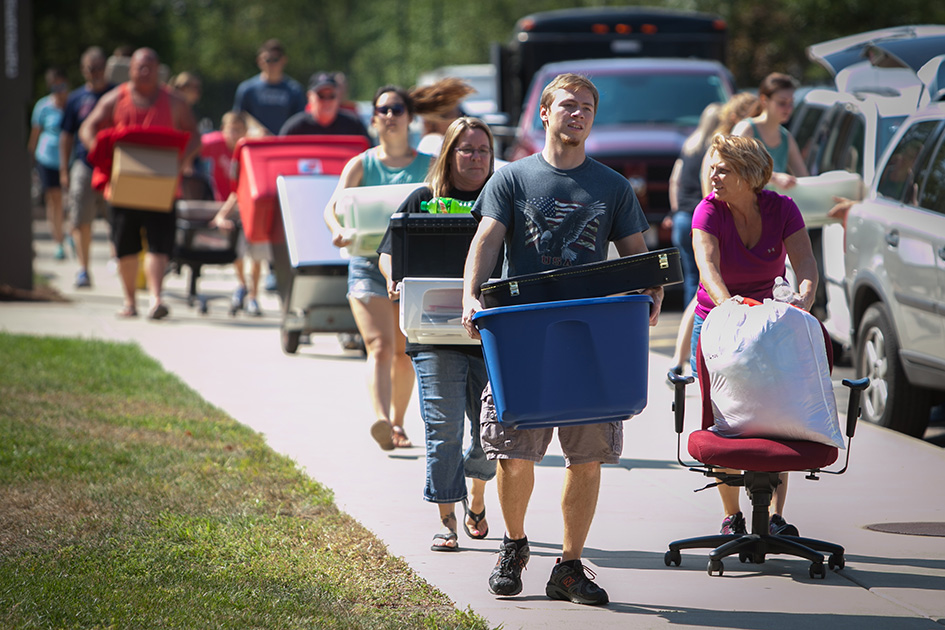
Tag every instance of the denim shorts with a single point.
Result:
(365, 279)
(450, 383)
(581, 444)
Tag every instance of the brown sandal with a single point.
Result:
(400, 438)
(382, 434)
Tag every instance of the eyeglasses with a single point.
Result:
(397, 110)
(469, 151)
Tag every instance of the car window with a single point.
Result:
(898, 174)
(831, 156)
(933, 192)
(886, 129)
(676, 99)
(804, 129)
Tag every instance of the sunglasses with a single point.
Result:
(397, 110)
(327, 96)
(273, 59)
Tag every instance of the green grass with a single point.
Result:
(127, 501)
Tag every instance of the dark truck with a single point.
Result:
(599, 33)
(656, 71)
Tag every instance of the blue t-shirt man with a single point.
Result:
(272, 104)
(80, 104)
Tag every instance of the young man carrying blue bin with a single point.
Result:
(554, 209)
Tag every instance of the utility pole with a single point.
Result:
(16, 86)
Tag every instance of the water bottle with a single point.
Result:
(782, 291)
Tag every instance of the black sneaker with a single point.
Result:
(569, 581)
(779, 527)
(734, 524)
(506, 578)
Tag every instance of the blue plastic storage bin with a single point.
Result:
(568, 362)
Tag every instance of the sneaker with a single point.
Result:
(60, 252)
(779, 527)
(271, 284)
(239, 295)
(506, 578)
(253, 308)
(82, 280)
(569, 581)
(734, 524)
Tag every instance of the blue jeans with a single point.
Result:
(682, 238)
(694, 342)
(450, 383)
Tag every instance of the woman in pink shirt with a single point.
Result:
(741, 234)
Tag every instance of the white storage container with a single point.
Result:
(431, 311)
(814, 195)
(365, 212)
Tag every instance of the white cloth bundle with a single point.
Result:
(769, 373)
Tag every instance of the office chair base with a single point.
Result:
(754, 548)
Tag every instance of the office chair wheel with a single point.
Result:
(836, 561)
(715, 565)
(672, 557)
(203, 306)
(817, 570)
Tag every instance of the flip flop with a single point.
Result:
(383, 434)
(451, 536)
(127, 312)
(160, 311)
(400, 434)
(477, 518)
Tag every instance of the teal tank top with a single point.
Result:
(376, 174)
(778, 154)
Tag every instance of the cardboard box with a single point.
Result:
(144, 177)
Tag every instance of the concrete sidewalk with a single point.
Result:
(313, 407)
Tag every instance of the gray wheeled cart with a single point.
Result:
(315, 295)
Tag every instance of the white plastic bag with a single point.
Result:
(769, 373)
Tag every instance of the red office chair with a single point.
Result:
(762, 460)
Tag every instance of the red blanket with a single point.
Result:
(100, 157)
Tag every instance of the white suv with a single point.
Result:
(895, 276)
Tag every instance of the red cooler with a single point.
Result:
(262, 160)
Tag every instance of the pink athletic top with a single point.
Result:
(747, 272)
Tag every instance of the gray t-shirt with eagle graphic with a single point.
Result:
(558, 218)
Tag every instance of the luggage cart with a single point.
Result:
(315, 298)
(196, 243)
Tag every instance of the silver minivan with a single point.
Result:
(895, 276)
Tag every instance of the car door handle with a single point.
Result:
(892, 238)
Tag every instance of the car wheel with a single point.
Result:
(890, 401)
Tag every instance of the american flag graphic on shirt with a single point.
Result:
(557, 229)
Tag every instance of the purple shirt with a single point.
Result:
(747, 272)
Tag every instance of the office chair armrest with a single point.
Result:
(853, 408)
(853, 412)
(679, 384)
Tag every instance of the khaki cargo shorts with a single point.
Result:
(581, 444)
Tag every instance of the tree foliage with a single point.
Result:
(376, 42)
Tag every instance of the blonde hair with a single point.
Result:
(568, 81)
(741, 106)
(440, 175)
(746, 157)
(697, 141)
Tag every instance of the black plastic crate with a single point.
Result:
(431, 245)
